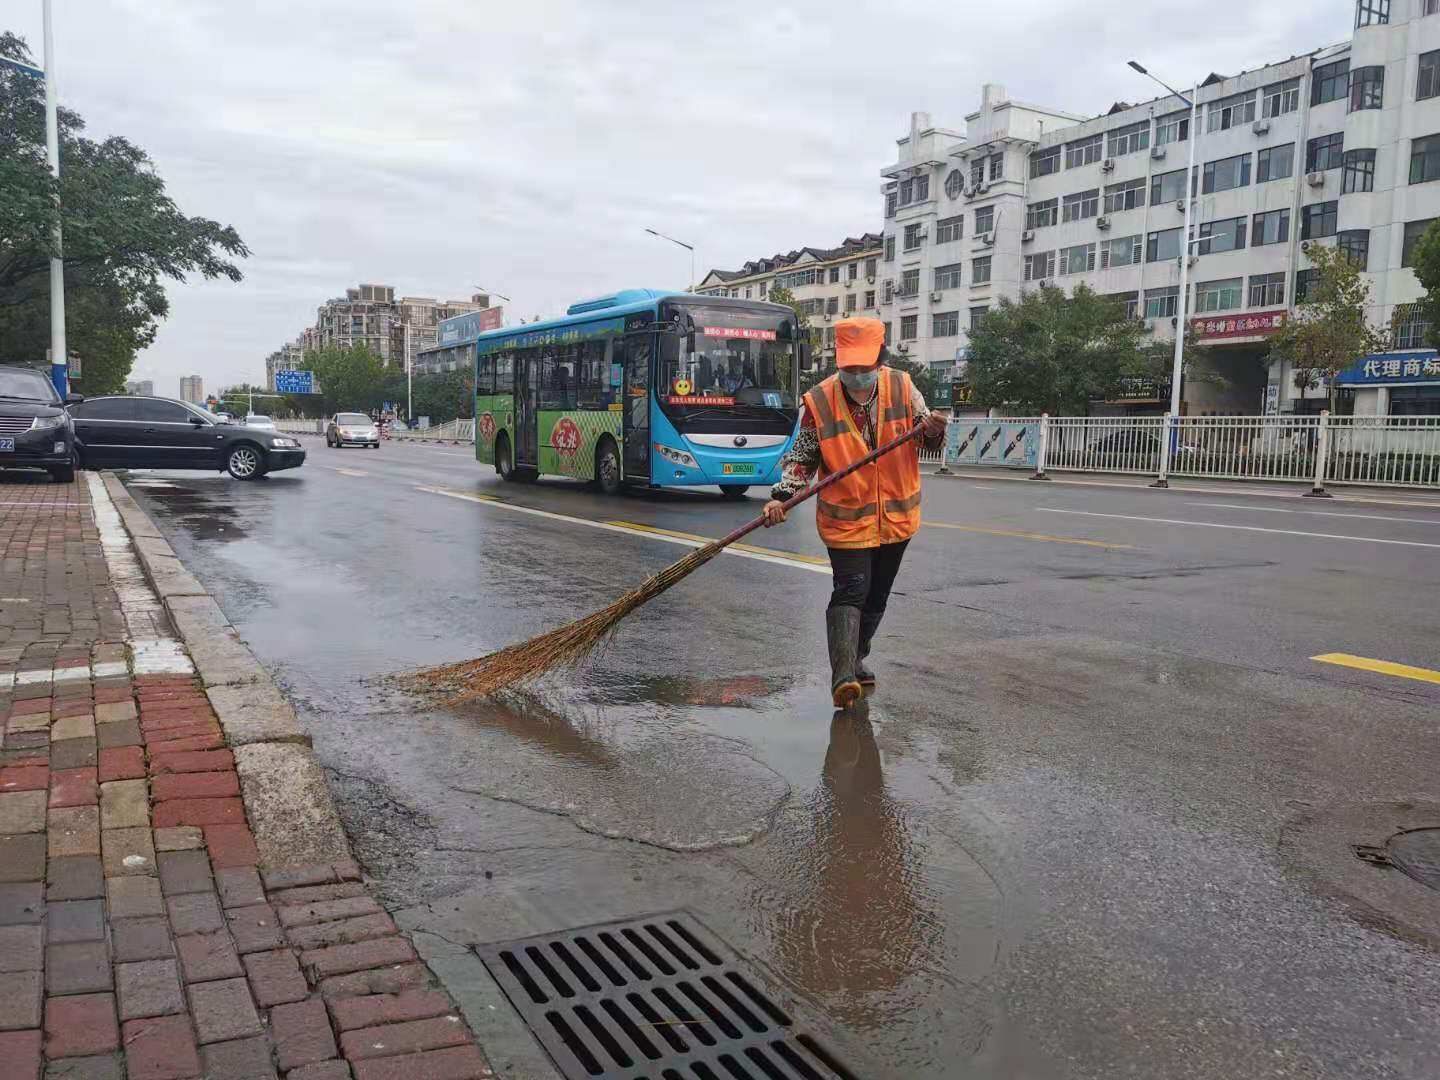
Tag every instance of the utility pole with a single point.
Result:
(59, 356)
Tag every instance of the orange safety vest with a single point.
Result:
(879, 504)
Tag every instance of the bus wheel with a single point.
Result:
(607, 467)
(734, 492)
(504, 463)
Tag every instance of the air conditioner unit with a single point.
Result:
(1102, 222)
(1192, 260)
(1180, 205)
(1157, 153)
(1315, 179)
(1027, 235)
(983, 187)
(827, 316)
(988, 239)
(1260, 127)
(1108, 165)
(869, 279)
(936, 296)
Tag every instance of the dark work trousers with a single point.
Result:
(863, 577)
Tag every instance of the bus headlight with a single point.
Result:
(676, 457)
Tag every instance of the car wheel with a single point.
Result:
(734, 492)
(504, 463)
(244, 462)
(607, 467)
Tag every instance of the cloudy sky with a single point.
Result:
(435, 145)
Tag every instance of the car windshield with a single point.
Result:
(28, 386)
(353, 419)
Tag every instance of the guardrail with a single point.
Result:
(1392, 451)
(301, 427)
(455, 431)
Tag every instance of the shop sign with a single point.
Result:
(1392, 369)
(1227, 326)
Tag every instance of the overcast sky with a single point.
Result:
(435, 145)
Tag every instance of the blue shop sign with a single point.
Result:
(1416, 368)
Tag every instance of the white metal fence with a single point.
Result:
(1400, 451)
(457, 431)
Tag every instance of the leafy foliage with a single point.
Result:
(123, 236)
(1426, 263)
(919, 374)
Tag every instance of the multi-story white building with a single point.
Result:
(141, 387)
(1336, 146)
(828, 283)
(192, 389)
(289, 357)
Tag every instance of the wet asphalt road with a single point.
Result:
(1057, 845)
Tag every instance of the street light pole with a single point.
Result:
(688, 247)
(59, 356)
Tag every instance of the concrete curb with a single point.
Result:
(291, 813)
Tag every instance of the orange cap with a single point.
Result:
(858, 342)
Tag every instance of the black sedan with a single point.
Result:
(35, 430)
(130, 432)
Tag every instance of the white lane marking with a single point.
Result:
(490, 500)
(1318, 513)
(1239, 528)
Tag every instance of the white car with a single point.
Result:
(264, 423)
(351, 429)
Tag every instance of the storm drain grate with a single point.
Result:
(658, 998)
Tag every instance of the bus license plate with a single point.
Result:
(7, 444)
(738, 468)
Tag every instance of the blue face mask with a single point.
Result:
(859, 380)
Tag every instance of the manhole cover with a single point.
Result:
(1417, 853)
(658, 998)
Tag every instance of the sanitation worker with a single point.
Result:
(867, 519)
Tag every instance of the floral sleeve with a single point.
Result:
(801, 462)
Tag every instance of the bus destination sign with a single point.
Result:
(738, 332)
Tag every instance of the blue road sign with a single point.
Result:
(22, 67)
(294, 382)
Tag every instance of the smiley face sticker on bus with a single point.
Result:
(682, 387)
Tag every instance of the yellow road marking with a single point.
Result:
(1383, 667)
(814, 560)
(1018, 535)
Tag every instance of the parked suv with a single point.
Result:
(35, 429)
(128, 432)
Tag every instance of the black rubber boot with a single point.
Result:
(842, 632)
(869, 623)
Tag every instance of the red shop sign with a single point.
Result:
(1224, 326)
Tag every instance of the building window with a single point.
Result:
(1130, 300)
(1330, 82)
(869, 299)
(1431, 7)
(1231, 112)
(850, 302)
(977, 173)
(1161, 245)
(997, 166)
(1325, 152)
(1305, 281)
(1162, 303)
(1227, 173)
(913, 236)
(1226, 295)
(832, 306)
(1039, 266)
(1084, 151)
(890, 248)
(949, 229)
(887, 290)
(888, 338)
(1045, 162)
(1411, 326)
(1271, 227)
(1414, 230)
(1281, 98)
(1040, 214)
(1227, 234)
(870, 267)
(834, 275)
(1121, 251)
(914, 190)
(1167, 187)
(829, 337)
(1318, 219)
(1425, 159)
(1267, 290)
(945, 324)
(1081, 205)
(747, 292)
(764, 288)
(1126, 196)
(1367, 88)
(1079, 259)
(890, 199)
(909, 327)
(1128, 139)
(947, 277)
(1359, 172)
(1355, 244)
(852, 271)
(1275, 163)
(910, 283)
(955, 184)
(1372, 13)
(977, 314)
(984, 219)
(980, 270)
(1415, 401)
(1427, 83)
(1172, 128)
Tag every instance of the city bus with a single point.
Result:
(642, 388)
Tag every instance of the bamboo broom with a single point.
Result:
(572, 643)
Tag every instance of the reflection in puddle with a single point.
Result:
(739, 691)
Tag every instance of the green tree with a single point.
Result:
(1048, 352)
(1329, 330)
(123, 237)
(920, 375)
(781, 295)
(350, 379)
(1425, 261)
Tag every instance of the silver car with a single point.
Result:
(351, 429)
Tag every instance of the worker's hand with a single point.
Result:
(774, 512)
(935, 424)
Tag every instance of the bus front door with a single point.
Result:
(637, 407)
(527, 411)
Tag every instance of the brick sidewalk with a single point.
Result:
(138, 937)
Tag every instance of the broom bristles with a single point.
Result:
(565, 647)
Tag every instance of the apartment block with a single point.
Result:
(829, 283)
(140, 387)
(1340, 145)
(192, 389)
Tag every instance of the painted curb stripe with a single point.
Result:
(1382, 667)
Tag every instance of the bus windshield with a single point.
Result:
(735, 361)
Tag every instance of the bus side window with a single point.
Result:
(505, 373)
(594, 376)
(485, 374)
(557, 378)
